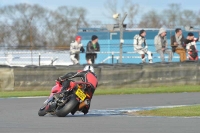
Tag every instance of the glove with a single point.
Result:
(59, 79)
(82, 50)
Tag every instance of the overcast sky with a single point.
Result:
(96, 8)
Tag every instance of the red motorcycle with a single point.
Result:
(75, 98)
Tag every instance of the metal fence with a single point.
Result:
(35, 57)
(56, 58)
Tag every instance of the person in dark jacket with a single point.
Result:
(92, 47)
(177, 44)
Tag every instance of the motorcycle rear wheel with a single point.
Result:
(68, 107)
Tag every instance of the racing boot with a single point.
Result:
(86, 109)
(143, 59)
(150, 61)
(85, 106)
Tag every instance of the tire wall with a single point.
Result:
(6, 78)
(110, 76)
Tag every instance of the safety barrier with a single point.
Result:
(110, 76)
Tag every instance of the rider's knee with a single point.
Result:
(143, 56)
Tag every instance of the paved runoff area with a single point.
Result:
(107, 115)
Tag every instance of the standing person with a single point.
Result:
(177, 43)
(141, 47)
(75, 48)
(161, 45)
(92, 47)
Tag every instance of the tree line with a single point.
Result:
(170, 17)
(24, 25)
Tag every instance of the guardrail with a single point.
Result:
(9, 58)
(113, 56)
(109, 76)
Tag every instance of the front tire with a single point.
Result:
(42, 112)
(67, 108)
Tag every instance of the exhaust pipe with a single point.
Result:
(83, 104)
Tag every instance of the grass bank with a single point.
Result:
(185, 111)
(5, 94)
(163, 89)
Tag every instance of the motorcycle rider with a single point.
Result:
(87, 75)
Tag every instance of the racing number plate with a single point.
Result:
(80, 94)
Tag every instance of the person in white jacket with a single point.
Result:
(140, 46)
(75, 48)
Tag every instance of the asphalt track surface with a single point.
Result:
(20, 116)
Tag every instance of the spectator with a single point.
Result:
(75, 48)
(193, 53)
(177, 43)
(191, 40)
(191, 47)
(92, 47)
(141, 47)
(161, 45)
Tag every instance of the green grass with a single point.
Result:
(185, 111)
(5, 94)
(163, 89)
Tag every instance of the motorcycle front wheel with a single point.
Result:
(42, 111)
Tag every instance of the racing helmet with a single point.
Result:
(89, 68)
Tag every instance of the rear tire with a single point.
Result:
(67, 108)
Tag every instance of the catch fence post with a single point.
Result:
(39, 58)
(112, 58)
